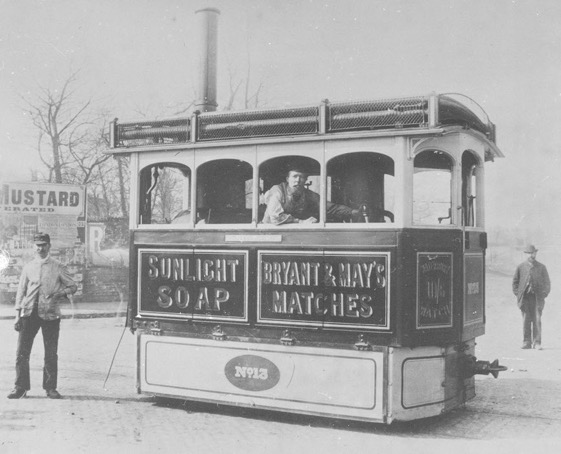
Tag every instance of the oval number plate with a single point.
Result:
(252, 373)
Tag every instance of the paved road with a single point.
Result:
(520, 410)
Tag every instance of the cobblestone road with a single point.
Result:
(520, 410)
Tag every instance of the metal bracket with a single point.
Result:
(461, 347)
(155, 329)
(286, 338)
(362, 345)
(413, 145)
(148, 327)
(218, 334)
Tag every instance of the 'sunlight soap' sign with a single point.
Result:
(201, 284)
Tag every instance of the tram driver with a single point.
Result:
(291, 202)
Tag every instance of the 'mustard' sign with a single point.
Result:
(36, 198)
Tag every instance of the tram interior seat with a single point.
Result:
(381, 215)
(228, 216)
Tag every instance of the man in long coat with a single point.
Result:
(531, 286)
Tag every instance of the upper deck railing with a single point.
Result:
(421, 112)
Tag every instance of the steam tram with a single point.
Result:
(372, 319)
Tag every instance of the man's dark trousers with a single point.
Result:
(532, 321)
(50, 330)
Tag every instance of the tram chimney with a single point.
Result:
(207, 46)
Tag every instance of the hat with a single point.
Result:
(41, 238)
(530, 249)
(303, 165)
(296, 167)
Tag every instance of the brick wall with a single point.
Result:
(105, 284)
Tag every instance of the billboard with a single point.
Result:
(27, 208)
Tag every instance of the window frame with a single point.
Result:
(195, 185)
(453, 192)
(479, 213)
(138, 199)
(194, 159)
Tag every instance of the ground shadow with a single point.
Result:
(495, 415)
(397, 428)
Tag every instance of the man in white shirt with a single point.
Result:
(43, 285)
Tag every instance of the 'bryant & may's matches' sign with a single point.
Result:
(330, 289)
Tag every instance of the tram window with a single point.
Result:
(224, 192)
(289, 191)
(469, 189)
(432, 188)
(165, 194)
(359, 188)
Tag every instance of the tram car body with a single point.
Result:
(371, 318)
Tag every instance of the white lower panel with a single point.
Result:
(416, 385)
(422, 381)
(309, 380)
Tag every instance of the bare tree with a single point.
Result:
(86, 152)
(251, 94)
(122, 171)
(57, 117)
(77, 138)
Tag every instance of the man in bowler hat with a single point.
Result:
(43, 285)
(531, 286)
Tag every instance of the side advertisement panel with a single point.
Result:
(191, 283)
(343, 289)
(434, 290)
(474, 287)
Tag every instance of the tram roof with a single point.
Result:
(392, 116)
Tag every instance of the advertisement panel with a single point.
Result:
(191, 283)
(28, 208)
(474, 286)
(343, 289)
(434, 290)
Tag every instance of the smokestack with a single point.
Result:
(207, 34)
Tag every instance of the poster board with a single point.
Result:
(31, 207)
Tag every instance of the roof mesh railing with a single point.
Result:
(153, 132)
(392, 113)
(388, 113)
(258, 123)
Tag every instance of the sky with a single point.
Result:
(136, 58)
